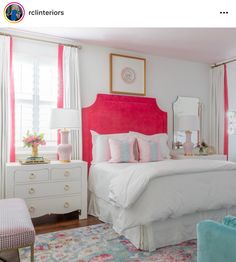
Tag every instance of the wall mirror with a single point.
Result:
(182, 107)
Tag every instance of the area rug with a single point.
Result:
(100, 243)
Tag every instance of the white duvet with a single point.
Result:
(125, 189)
(146, 192)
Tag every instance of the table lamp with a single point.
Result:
(188, 123)
(65, 120)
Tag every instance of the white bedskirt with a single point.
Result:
(157, 234)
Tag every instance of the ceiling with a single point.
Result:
(207, 45)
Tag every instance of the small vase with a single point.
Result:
(34, 151)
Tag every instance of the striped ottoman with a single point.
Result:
(16, 228)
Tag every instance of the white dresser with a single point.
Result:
(54, 188)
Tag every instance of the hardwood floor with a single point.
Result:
(53, 223)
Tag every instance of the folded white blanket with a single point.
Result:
(127, 187)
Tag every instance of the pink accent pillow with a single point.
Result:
(101, 150)
(161, 138)
(122, 151)
(149, 151)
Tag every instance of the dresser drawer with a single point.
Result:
(26, 176)
(47, 189)
(60, 205)
(66, 173)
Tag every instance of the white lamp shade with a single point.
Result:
(188, 122)
(65, 118)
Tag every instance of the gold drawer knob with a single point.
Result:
(66, 205)
(32, 209)
(31, 191)
(66, 187)
(32, 176)
(66, 173)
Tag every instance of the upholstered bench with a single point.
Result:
(16, 228)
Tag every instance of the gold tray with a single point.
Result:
(34, 162)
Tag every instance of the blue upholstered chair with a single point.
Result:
(217, 241)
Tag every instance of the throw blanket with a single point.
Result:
(128, 186)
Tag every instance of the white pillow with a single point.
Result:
(101, 149)
(162, 138)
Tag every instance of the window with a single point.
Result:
(36, 84)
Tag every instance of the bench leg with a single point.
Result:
(32, 253)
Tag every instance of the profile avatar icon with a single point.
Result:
(14, 12)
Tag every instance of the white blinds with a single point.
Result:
(36, 84)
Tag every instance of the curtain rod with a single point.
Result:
(40, 40)
(223, 63)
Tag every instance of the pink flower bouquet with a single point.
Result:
(33, 140)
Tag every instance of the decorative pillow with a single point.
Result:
(149, 151)
(162, 138)
(122, 151)
(101, 150)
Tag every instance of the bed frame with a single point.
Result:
(120, 114)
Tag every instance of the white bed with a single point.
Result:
(167, 210)
(158, 208)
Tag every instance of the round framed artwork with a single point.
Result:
(128, 75)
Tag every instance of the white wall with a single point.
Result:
(166, 78)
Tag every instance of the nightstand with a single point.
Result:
(55, 188)
(206, 157)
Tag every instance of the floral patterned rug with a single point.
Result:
(100, 243)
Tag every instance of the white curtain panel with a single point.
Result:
(72, 94)
(4, 108)
(231, 76)
(216, 127)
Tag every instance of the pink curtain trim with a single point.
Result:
(226, 107)
(60, 98)
(12, 107)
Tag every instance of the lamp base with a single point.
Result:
(188, 145)
(188, 154)
(64, 150)
(65, 161)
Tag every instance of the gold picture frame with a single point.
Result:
(127, 75)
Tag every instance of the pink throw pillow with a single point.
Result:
(162, 138)
(122, 151)
(149, 151)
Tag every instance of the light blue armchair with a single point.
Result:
(216, 241)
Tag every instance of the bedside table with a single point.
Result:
(206, 157)
(55, 188)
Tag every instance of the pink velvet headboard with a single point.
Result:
(120, 114)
